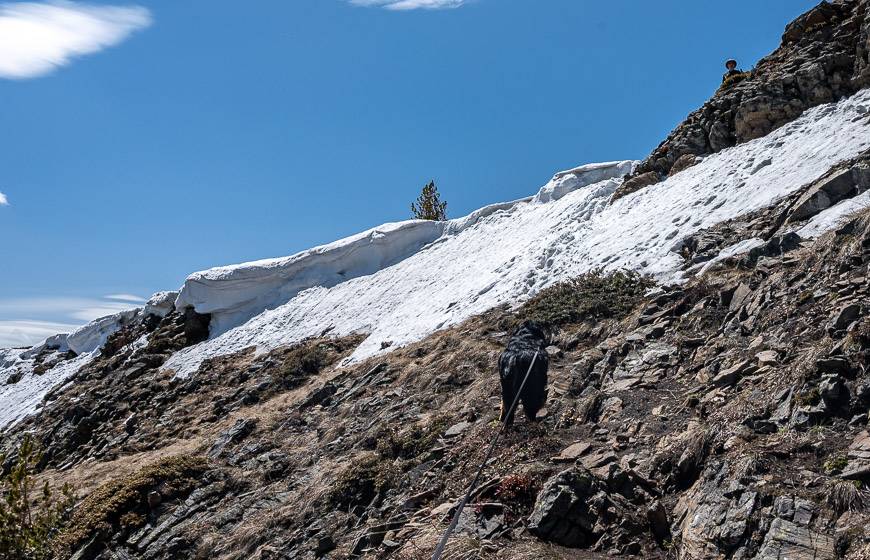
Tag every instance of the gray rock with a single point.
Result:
(457, 429)
(833, 391)
(846, 316)
(683, 162)
(774, 247)
(807, 416)
(824, 194)
(574, 510)
(785, 539)
(235, 434)
(739, 297)
(729, 376)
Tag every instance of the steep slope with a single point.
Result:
(823, 57)
(506, 253)
(336, 403)
(725, 418)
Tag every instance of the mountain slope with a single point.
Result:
(509, 252)
(336, 403)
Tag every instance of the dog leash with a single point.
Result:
(439, 550)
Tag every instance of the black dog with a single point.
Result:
(514, 364)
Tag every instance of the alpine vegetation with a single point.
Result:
(687, 337)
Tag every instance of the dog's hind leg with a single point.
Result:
(531, 409)
(535, 393)
(508, 394)
(505, 405)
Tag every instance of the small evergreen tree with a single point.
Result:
(29, 523)
(429, 205)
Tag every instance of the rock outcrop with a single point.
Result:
(823, 57)
(724, 417)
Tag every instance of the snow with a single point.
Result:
(401, 282)
(160, 304)
(234, 294)
(92, 336)
(25, 396)
(834, 216)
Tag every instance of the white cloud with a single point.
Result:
(88, 314)
(36, 38)
(410, 4)
(57, 309)
(28, 321)
(3, 199)
(126, 297)
(15, 334)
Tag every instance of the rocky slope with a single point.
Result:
(823, 57)
(721, 414)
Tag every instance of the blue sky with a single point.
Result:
(142, 142)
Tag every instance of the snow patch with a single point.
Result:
(161, 304)
(834, 216)
(25, 396)
(93, 335)
(234, 294)
(506, 253)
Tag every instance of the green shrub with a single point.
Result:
(835, 464)
(846, 495)
(310, 357)
(302, 363)
(592, 296)
(29, 519)
(429, 205)
(119, 504)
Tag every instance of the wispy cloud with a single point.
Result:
(36, 38)
(27, 321)
(126, 297)
(410, 4)
(28, 333)
(3, 200)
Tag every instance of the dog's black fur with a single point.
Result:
(513, 364)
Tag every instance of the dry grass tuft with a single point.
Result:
(847, 495)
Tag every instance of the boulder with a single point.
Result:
(767, 357)
(738, 297)
(239, 431)
(859, 457)
(774, 247)
(817, 16)
(635, 184)
(572, 452)
(575, 510)
(824, 194)
(683, 162)
(729, 376)
(786, 539)
(834, 392)
(714, 517)
(845, 316)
